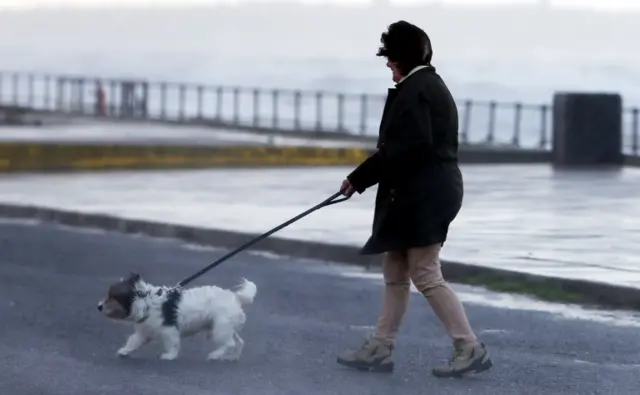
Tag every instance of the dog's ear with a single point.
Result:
(134, 278)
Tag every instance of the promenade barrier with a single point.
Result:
(490, 131)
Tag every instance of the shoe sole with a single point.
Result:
(364, 367)
(479, 367)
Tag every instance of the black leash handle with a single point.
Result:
(328, 202)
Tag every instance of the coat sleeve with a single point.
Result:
(367, 174)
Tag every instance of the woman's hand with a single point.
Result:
(347, 189)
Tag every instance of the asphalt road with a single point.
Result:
(55, 342)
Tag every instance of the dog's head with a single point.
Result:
(123, 299)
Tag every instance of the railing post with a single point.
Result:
(319, 96)
(296, 110)
(182, 100)
(30, 91)
(543, 125)
(145, 99)
(47, 91)
(466, 119)
(492, 122)
(516, 125)
(74, 98)
(363, 113)
(98, 96)
(60, 94)
(275, 116)
(256, 107)
(219, 102)
(236, 105)
(163, 100)
(113, 98)
(80, 87)
(122, 107)
(200, 99)
(340, 112)
(15, 86)
(634, 130)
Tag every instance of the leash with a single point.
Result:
(328, 202)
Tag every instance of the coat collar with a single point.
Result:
(413, 71)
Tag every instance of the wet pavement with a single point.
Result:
(528, 218)
(96, 132)
(55, 342)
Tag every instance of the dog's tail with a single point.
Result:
(247, 292)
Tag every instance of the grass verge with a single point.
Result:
(549, 292)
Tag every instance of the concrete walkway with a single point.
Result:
(572, 224)
(96, 132)
(54, 341)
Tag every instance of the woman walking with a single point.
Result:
(420, 192)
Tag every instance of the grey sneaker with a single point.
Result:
(465, 360)
(372, 356)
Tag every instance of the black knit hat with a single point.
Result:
(406, 44)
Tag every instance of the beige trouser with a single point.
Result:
(422, 267)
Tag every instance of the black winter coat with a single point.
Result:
(416, 166)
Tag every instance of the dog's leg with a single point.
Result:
(134, 342)
(222, 335)
(171, 343)
(237, 351)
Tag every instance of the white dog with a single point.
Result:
(169, 314)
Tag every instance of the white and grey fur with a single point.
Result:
(170, 314)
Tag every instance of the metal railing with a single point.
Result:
(515, 125)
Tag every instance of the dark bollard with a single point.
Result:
(587, 130)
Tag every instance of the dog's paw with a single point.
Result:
(168, 356)
(214, 356)
(122, 353)
(220, 356)
(231, 357)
